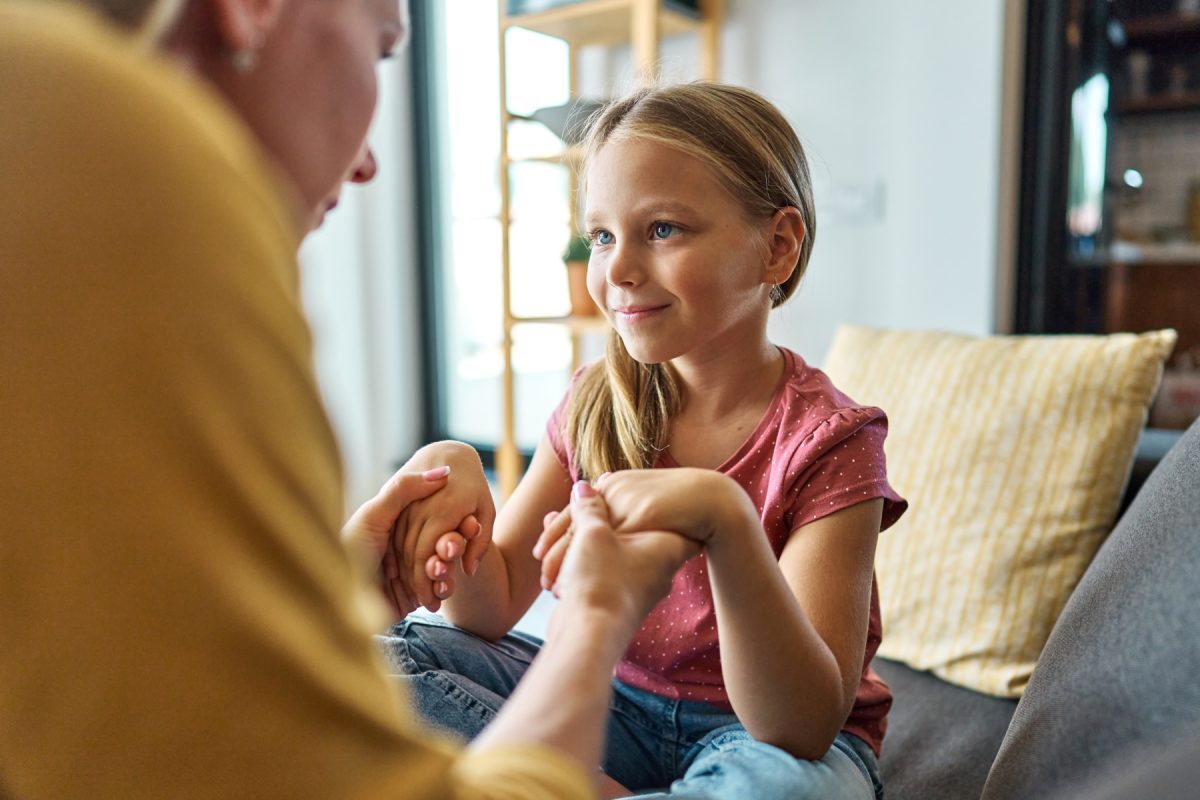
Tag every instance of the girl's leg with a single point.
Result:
(729, 763)
(456, 680)
(640, 749)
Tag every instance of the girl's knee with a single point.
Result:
(739, 766)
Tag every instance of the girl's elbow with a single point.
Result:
(806, 741)
(808, 747)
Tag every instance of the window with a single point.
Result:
(456, 72)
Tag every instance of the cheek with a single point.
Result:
(597, 283)
(351, 87)
(353, 110)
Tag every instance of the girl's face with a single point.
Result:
(675, 266)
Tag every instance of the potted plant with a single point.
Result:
(579, 250)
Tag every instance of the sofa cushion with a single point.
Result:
(941, 738)
(1013, 451)
(1119, 670)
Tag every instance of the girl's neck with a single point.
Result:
(717, 384)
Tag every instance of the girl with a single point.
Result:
(699, 209)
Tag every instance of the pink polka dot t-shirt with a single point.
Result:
(814, 452)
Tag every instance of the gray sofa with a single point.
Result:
(1113, 707)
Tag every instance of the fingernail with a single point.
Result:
(436, 474)
(443, 589)
(582, 489)
(439, 570)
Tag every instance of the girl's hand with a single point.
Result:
(426, 547)
(689, 502)
(439, 568)
(619, 576)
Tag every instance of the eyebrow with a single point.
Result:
(650, 208)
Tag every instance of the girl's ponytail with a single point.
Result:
(620, 412)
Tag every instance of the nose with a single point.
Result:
(365, 168)
(622, 268)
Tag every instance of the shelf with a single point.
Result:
(593, 324)
(1160, 28)
(640, 24)
(571, 157)
(597, 22)
(1187, 101)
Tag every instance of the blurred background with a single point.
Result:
(981, 167)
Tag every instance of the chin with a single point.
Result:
(643, 354)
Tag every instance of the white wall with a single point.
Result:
(898, 105)
(359, 278)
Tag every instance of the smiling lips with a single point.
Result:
(631, 314)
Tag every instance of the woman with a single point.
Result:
(178, 616)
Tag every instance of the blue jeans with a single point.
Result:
(655, 747)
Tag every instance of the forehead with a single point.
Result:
(629, 169)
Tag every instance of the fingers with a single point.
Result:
(401, 602)
(587, 515)
(401, 490)
(588, 509)
(479, 539)
(450, 546)
(554, 526)
(485, 515)
(553, 559)
(395, 587)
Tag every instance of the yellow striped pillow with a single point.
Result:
(1013, 452)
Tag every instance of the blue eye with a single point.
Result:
(602, 237)
(663, 230)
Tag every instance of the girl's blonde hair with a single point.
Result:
(620, 410)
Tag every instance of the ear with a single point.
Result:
(243, 24)
(785, 235)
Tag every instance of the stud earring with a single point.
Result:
(245, 59)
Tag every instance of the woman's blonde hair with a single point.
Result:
(620, 410)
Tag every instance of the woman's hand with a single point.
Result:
(689, 502)
(369, 530)
(436, 532)
(621, 577)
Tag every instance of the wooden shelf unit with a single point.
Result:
(1185, 101)
(1161, 27)
(642, 24)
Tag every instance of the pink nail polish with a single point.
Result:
(436, 474)
(582, 489)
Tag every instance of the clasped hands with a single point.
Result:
(435, 516)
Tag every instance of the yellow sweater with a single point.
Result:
(177, 617)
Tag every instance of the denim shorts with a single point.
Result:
(655, 747)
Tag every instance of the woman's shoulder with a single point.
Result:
(123, 113)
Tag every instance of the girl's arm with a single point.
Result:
(792, 649)
(793, 632)
(507, 582)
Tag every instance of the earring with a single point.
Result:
(245, 59)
